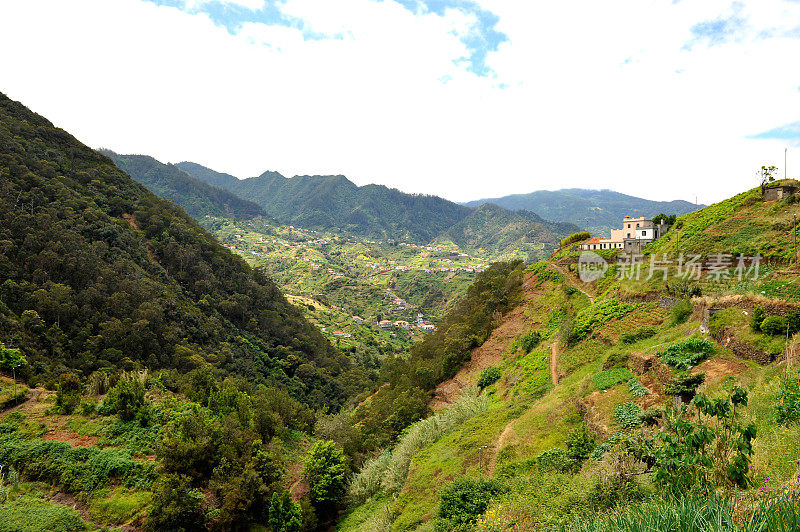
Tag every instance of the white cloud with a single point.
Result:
(598, 94)
(249, 4)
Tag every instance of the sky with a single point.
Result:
(465, 99)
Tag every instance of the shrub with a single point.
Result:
(685, 384)
(756, 317)
(530, 340)
(774, 325)
(628, 415)
(616, 360)
(176, 506)
(680, 312)
(68, 396)
(580, 443)
(636, 388)
(125, 399)
(687, 354)
(574, 237)
(607, 379)
(554, 460)
(488, 377)
(467, 499)
(642, 333)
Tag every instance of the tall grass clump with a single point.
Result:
(694, 514)
(387, 473)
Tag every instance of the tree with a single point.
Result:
(176, 506)
(325, 471)
(68, 396)
(10, 358)
(285, 515)
(766, 175)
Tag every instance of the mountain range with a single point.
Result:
(598, 211)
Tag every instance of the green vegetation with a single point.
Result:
(198, 198)
(687, 354)
(608, 378)
(99, 273)
(597, 314)
(642, 333)
(489, 376)
(328, 202)
(465, 500)
(580, 236)
(32, 513)
(788, 408)
(628, 415)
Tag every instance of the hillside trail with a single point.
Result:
(501, 441)
(30, 399)
(573, 282)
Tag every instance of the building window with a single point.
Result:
(637, 226)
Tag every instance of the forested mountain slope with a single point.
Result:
(334, 202)
(600, 210)
(99, 273)
(195, 196)
(492, 229)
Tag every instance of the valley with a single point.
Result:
(209, 362)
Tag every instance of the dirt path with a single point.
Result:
(501, 441)
(32, 397)
(573, 282)
(554, 363)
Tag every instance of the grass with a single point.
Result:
(32, 513)
(694, 514)
(119, 505)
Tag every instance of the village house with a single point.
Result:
(342, 334)
(403, 324)
(358, 320)
(635, 234)
(386, 324)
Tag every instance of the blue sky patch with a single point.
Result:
(719, 30)
(789, 133)
(482, 38)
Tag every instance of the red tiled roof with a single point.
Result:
(594, 240)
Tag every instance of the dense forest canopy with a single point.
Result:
(98, 272)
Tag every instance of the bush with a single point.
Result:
(642, 333)
(616, 360)
(580, 444)
(607, 379)
(756, 317)
(680, 312)
(68, 396)
(467, 499)
(555, 460)
(488, 377)
(685, 384)
(574, 237)
(774, 325)
(636, 388)
(628, 415)
(687, 354)
(126, 399)
(530, 340)
(176, 506)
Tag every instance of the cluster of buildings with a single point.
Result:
(635, 234)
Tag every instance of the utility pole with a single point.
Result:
(14, 376)
(785, 155)
(794, 230)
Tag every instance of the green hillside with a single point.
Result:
(565, 416)
(495, 231)
(198, 198)
(100, 273)
(744, 224)
(598, 210)
(336, 203)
